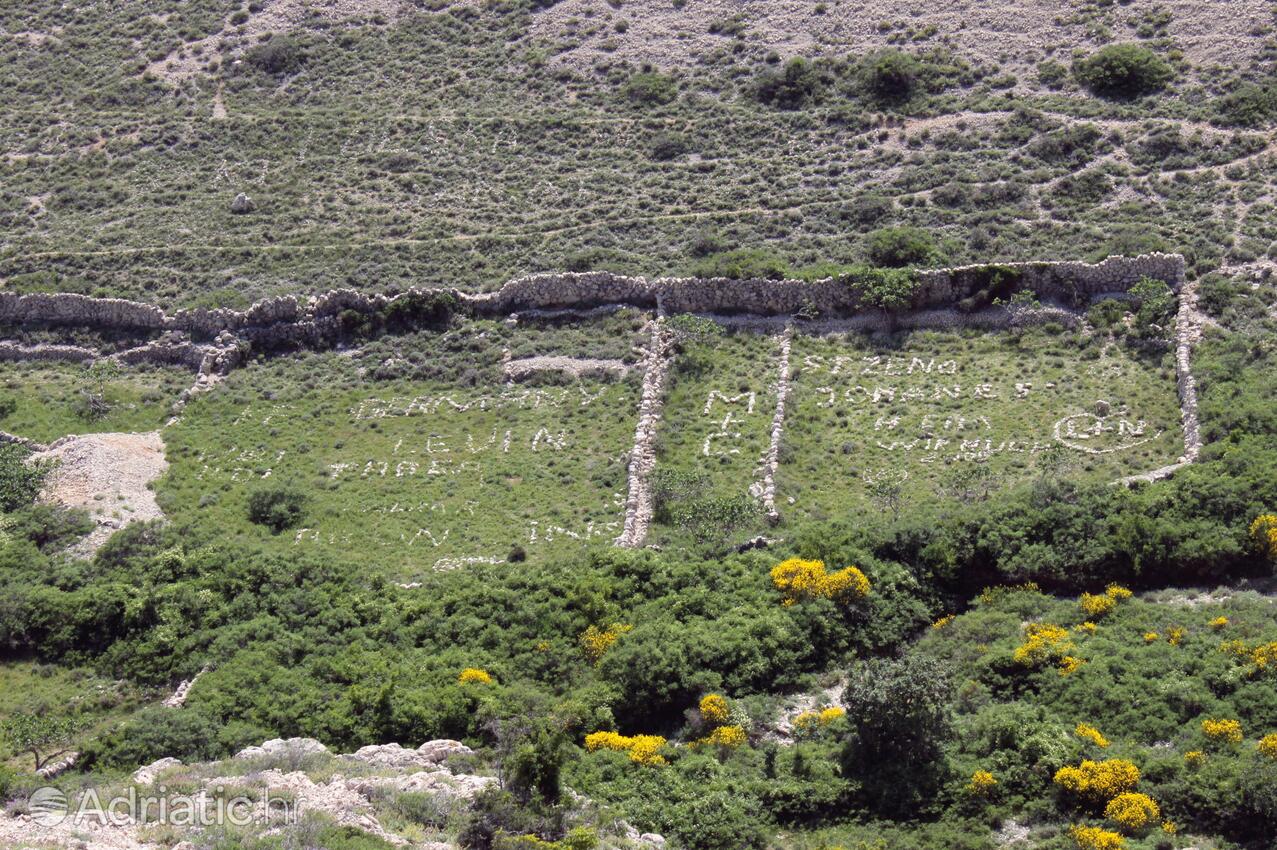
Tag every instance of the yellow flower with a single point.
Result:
(643, 749)
(1263, 533)
(1219, 623)
(1090, 733)
(1043, 642)
(1094, 838)
(1236, 648)
(1194, 758)
(1070, 664)
(798, 579)
(714, 709)
(1229, 731)
(943, 621)
(596, 641)
(982, 782)
(475, 676)
(1133, 811)
(1263, 658)
(1098, 781)
(1087, 627)
(1268, 745)
(1169, 827)
(1175, 636)
(1150, 637)
(1097, 605)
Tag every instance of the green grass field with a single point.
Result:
(406, 475)
(46, 400)
(926, 409)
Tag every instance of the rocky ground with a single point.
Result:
(109, 475)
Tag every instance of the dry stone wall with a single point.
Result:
(289, 320)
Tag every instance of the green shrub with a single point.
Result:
(1123, 70)
(790, 87)
(896, 247)
(280, 55)
(743, 264)
(650, 87)
(276, 508)
(892, 74)
(20, 482)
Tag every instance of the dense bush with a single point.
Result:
(276, 508)
(794, 85)
(279, 55)
(892, 74)
(895, 247)
(1123, 70)
(20, 481)
(742, 264)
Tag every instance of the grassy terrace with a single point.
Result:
(952, 415)
(406, 475)
(44, 401)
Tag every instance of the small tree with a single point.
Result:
(45, 735)
(789, 87)
(899, 716)
(276, 508)
(886, 489)
(96, 378)
(1155, 304)
(897, 247)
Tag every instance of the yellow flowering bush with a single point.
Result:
(1263, 658)
(1098, 781)
(982, 782)
(1268, 745)
(714, 709)
(596, 641)
(1097, 605)
(1175, 636)
(1219, 623)
(1070, 664)
(1263, 533)
(643, 749)
(810, 721)
(829, 715)
(1117, 592)
(728, 737)
(1170, 827)
(1133, 811)
(1090, 733)
(799, 579)
(1151, 637)
(1194, 758)
(475, 676)
(1087, 627)
(1228, 731)
(1095, 838)
(943, 621)
(1043, 642)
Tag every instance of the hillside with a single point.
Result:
(512, 424)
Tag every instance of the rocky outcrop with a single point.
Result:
(429, 754)
(292, 747)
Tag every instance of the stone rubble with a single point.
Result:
(638, 504)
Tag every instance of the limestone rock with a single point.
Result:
(146, 775)
(242, 204)
(279, 747)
